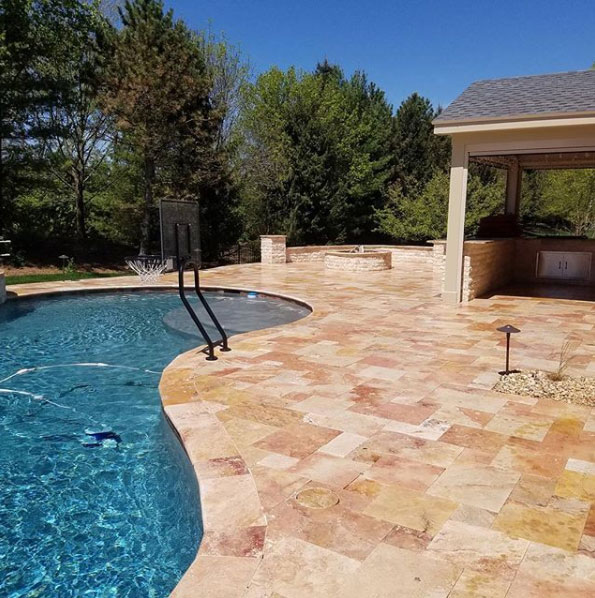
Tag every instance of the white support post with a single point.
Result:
(453, 275)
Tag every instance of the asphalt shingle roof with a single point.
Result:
(559, 93)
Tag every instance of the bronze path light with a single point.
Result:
(508, 330)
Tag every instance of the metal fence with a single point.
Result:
(242, 253)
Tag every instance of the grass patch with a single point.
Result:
(30, 278)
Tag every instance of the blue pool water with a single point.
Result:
(113, 514)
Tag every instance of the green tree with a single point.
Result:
(77, 131)
(486, 192)
(419, 152)
(199, 161)
(158, 91)
(419, 218)
(316, 154)
(408, 218)
(28, 38)
(115, 212)
(561, 200)
(262, 158)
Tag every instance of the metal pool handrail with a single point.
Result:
(182, 262)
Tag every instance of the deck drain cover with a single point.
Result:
(317, 498)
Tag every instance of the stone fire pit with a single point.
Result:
(358, 261)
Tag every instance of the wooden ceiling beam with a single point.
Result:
(545, 161)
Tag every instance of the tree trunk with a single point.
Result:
(145, 227)
(3, 222)
(79, 190)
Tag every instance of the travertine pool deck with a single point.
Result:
(360, 452)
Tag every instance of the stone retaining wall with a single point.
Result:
(415, 256)
(487, 265)
(419, 256)
(313, 253)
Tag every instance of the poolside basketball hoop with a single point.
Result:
(180, 247)
(148, 267)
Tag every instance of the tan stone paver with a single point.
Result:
(380, 402)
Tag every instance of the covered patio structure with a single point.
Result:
(535, 122)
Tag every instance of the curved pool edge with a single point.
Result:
(233, 519)
(43, 291)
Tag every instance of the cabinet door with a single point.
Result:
(577, 265)
(551, 264)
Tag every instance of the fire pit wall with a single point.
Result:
(369, 261)
(274, 251)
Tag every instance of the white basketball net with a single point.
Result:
(149, 269)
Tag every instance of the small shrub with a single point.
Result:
(69, 267)
(567, 354)
(17, 259)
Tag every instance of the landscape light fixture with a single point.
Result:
(508, 330)
(63, 261)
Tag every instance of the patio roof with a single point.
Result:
(558, 95)
(535, 122)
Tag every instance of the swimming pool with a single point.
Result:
(97, 498)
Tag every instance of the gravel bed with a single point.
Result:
(540, 384)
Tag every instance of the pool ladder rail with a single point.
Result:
(222, 342)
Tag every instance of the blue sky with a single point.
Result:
(434, 48)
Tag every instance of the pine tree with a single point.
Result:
(317, 154)
(30, 35)
(418, 150)
(158, 91)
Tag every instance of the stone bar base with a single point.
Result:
(487, 265)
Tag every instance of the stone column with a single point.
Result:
(272, 249)
(2, 287)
